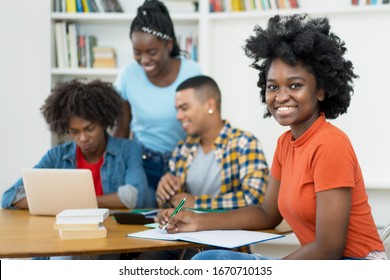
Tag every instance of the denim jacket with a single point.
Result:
(122, 171)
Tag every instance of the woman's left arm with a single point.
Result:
(332, 219)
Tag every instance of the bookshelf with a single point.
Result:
(111, 29)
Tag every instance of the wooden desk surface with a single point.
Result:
(23, 235)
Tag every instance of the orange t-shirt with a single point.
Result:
(321, 159)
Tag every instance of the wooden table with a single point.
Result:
(23, 235)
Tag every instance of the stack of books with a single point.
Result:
(104, 57)
(81, 223)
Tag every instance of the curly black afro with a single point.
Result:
(94, 101)
(301, 39)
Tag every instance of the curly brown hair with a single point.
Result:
(94, 101)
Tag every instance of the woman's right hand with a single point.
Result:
(183, 221)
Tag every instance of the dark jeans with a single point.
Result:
(155, 165)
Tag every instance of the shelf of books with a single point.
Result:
(244, 9)
(81, 28)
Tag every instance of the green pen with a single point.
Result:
(177, 209)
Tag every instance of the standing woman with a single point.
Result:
(149, 84)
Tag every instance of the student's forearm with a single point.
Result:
(21, 204)
(110, 201)
(313, 251)
(251, 218)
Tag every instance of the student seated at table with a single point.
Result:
(85, 111)
(316, 183)
(216, 166)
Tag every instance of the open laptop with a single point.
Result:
(50, 191)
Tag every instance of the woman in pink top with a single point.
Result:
(316, 184)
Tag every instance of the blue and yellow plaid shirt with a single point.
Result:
(244, 170)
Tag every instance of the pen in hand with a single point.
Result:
(177, 209)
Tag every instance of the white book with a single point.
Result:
(100, 6)
(74, 57)
(62, 44)
(274, 4)
(75, 225)
(59, 40)
(79, 216)
(220, 238)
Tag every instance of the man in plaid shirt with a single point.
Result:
(216, 166)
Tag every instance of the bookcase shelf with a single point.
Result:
(116, 17)
(244, 15)
(84, 72)
(111, 29)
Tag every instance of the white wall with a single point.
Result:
(25, 82)
(366, 120)
(366, 123)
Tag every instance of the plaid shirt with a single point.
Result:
(244, 170)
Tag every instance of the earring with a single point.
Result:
(210, 111)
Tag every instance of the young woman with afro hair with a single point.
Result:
(316, 184)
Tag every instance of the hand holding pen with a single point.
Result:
(177, 209)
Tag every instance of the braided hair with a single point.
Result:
(94, 101)
(154, 15)
(300, 39)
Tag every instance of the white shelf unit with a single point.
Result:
(111, 30)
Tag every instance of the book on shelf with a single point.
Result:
(82, 50)
(189, 43)
(86, 5)
(104, 63)
(251, 5)
(99, 232)
(108, 6)
(62, 44)
(73, 49)
(71, 6)
(294, 4)
(104, 57)
(79, 6)
(90, 43)
(114, 6)
(93, 8)
(367, 2)
(176, 6)
(79, 216)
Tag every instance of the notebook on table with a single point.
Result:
(50, 191)
(220, 238)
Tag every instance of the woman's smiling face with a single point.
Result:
(292, 96)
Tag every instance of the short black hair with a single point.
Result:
(153, 14)
(205, 87)
(94, 101)
(300, 39)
